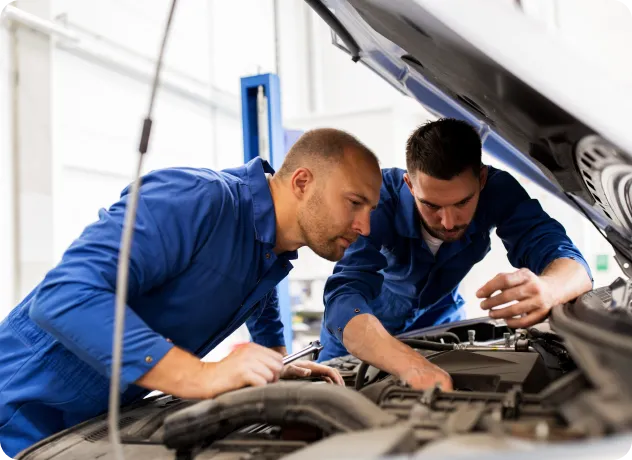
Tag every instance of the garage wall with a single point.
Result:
(86, 111)
(81, 110)
(98, 107)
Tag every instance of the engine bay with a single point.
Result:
(509, 386)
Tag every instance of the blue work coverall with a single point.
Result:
(202, 264)
(393, 275)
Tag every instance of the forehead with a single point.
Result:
(444, 192)
(358, 174)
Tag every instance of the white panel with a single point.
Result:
(229, 146)
(347, 85)
(138, 26)
(98, 120)
(294, 58)
(243, 33)
(602, 31)
(79, 195)
(35, 237)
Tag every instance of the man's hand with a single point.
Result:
(532, 297)
(182, 374)
(427, 376)
(303, 369)
(366, 338)
(249, 365)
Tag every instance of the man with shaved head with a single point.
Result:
(209, 249)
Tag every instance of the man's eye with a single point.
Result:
(432, 206)
(355, 203)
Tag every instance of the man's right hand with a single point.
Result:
(249, 365)
(427, 376)
(366, 338)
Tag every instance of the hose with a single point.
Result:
(123, 260)
(438, 337)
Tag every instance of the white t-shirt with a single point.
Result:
(433, 243)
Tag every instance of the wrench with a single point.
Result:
(313, 347)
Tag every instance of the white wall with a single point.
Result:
(598, 30)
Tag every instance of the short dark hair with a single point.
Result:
(444, 149)
(322, 144)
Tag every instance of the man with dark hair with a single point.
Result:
(209, 249)
(431, 226)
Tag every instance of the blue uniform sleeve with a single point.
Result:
(266, 328)
(75, 302)
(532, 238)
(356, 280)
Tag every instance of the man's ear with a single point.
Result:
(408, 182)
(300, 181)
(483, 176)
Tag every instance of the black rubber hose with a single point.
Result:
(427, 345)
(442, 335)
(413, 343)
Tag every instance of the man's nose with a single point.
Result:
(448, 219)
(362, 224)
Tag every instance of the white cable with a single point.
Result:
(123, 261)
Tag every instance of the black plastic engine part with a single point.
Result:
(331, 409)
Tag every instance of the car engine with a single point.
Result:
(511, 388)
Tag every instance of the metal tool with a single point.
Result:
(314, 347)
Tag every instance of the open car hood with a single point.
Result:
(539, 106)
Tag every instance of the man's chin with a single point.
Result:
(336, 255)
(332, 255)
(451, 237)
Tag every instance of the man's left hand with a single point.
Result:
(304, 369)
(534, 296)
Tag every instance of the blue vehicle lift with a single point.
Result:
(264, 136)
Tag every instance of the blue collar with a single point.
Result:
(262, 204)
